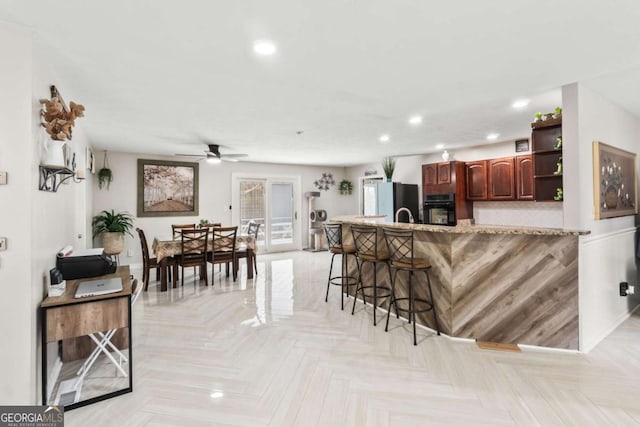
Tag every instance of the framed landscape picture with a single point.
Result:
(167, 188)
(615, 181)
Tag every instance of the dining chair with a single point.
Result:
(193, 252)
(224, 248)
(151, 262)
(242, 252)
(177, 228)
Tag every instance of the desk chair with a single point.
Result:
(177, 228)
(224, 248)
(252, 230)
(103, 343)
(193, 252)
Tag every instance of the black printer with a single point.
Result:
(84, 263)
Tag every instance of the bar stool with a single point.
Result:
(337, 247)
(365, 238)
(400, 243)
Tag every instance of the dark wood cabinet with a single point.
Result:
(429, 176)
(501, 179)
(546, 137)
(476, 173)
(524, 177)
(447, 178)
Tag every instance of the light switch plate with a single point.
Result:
(3, 178)
(3, 243)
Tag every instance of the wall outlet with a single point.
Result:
(626, 289)
(129, 252)
(3, 243)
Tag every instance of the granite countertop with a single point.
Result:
(460, 229)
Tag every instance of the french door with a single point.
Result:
(273, 202)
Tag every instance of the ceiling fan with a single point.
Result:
(213, 155)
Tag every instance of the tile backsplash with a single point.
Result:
(525, 214)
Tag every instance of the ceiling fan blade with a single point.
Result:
(234, 156)
(190, 155)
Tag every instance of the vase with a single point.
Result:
(113, 243)
(54, 153)
(611, 197)
(388, 179)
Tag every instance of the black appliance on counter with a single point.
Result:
(440, 209)
(82, 266)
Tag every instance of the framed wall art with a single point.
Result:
(615, 181)
(167, 188)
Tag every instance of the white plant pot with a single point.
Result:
(113, 243)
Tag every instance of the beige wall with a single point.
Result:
(214, 194)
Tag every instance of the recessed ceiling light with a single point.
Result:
(493, 136)
(439, 146)
(520, 103)
(264, 47)
(216, 395)
(415, 120)
(384, 138)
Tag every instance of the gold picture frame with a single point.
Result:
(615, 181)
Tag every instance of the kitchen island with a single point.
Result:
(492, 283)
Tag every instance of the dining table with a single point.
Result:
(165, 246)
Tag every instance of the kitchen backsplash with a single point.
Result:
(536, 214)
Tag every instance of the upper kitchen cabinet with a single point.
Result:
(501, 179)
(438, 177)
(546, 137)
(524, 177)
(476, 180)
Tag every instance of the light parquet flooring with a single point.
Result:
(271, 352)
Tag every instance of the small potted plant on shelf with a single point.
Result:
(537, 117)
(112, 226)
(558, 113)
(346, 187)
(388, 166)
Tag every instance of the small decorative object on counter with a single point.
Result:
(445, 155)
(388, 166)
(346, 187)
(537, 117)
(204, 221)
(558, 167)
(558, 196)
(548, 116)
(325, 182)
(558, 143)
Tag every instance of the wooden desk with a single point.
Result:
(66, 317)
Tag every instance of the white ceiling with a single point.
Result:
(161, 76)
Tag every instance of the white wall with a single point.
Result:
(607, 255)
(214, 194)
(36, 223)
(514, 213)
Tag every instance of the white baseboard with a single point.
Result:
(591, 344)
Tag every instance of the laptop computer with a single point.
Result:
(91, 288)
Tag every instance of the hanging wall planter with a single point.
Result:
(346, 187)
(105, 176)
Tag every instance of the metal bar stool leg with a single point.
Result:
(326, 298)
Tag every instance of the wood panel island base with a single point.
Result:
(490, 283)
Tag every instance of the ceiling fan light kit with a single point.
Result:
(213, 155)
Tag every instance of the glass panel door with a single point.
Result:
(272, 202)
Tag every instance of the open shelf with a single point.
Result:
(544, 137)
(52, 176)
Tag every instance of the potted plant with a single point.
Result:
(388, 166)
(346, 187)
(558, 113)
(537, 117)
(113, 227)
(105, 176)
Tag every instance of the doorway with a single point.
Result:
(273, 202)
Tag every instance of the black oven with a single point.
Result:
(440, 209)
